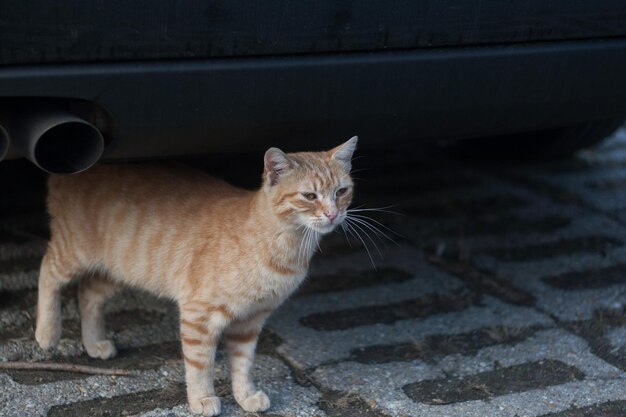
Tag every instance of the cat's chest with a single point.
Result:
(275, 287)
(281, 269)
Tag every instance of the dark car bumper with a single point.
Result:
(176, 78)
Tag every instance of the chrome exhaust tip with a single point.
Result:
(55, 141)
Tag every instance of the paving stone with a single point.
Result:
(617, 337)
(605, 334)
(483, 282)
(452, 215)
(337, 245)
(287, 397)
(570, 287)
(145, 357)
(36, 401)
(325, 346)
(609, 409)
(502, 273)
(124, 405)
(424, 279)
(141, 329)
(543, 244)
(14, 324)
(16, 299)
(435, 347)
(349, 279)
(341, 404)
(486, 385)
(77, 396)
(584, 244)
(508, 224)
(591, 279)
(551, 191)
(425, 306)
(585, 183)
(9, 236)
(608, 184)
(468, 208)
(19, 280)
(29, 263)
(384, 382)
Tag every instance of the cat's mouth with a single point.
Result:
(326, 227)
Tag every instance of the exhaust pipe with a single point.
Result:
(4, 143)
(56, 141)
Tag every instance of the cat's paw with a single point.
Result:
(259, 401)
(207, 406)
(47, 335)
(103, 349)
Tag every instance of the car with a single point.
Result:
(80, 81)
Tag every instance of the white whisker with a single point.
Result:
(359, 170)
(310, 244)
(373, 208)
(307, 248)
(373, 228)
(376, 231)
(343, 228)
(306, 244)
(355, 224)
(354, 233)
(301, 248)
(360, 216)
(379, 210)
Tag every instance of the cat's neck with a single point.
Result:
(293, 244)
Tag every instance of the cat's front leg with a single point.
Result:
(241, 339)
(201, 326)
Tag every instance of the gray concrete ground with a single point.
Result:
(505, 296)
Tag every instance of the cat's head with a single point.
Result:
(311, 189)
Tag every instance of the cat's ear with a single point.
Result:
(343, 153)
(277, 163)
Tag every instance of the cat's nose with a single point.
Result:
(332, 215)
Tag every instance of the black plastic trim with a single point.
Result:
(181, 107)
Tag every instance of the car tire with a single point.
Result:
(539, 145)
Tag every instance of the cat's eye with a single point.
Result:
(341, 191)
(310, 196)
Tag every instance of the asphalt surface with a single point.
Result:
(505, 296)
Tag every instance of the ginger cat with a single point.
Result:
(227, 256)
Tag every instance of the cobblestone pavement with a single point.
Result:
(505, 296)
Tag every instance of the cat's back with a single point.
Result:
(136, 184)
(129, 217)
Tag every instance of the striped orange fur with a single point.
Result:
(228, 256)
(195, 363)
(243, 338)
